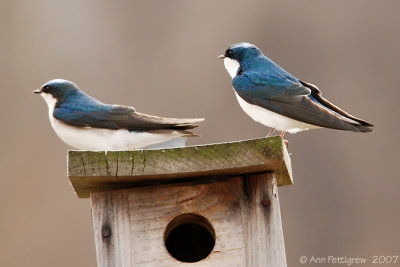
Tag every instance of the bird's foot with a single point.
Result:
(286, 143)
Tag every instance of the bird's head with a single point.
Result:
(57, 90)
(237, 55)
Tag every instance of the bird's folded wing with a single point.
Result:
(288, 98)
(118, 117)
(316, 93)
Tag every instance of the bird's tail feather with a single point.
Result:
(144, 121)
(364, 128)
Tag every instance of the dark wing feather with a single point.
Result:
(290, 99)
(118, 117)
(316, 93)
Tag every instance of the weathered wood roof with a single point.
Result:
(94, 171)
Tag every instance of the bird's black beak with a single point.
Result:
(37, 91)
(221, 56)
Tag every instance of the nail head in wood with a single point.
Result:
(105, 232)
(266, 202)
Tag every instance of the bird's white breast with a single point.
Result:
(106, 139)
(272, 119)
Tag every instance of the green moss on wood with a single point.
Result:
(235, 158)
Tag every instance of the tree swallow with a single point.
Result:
(84, 122)
(275, 98)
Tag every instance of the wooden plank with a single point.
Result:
(111, 228)
(138, 217)
(95, 171)
(262, 223)
(244, 212)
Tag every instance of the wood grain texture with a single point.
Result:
(148, 210)
(261, 219)
(248, 229)
(95, 171)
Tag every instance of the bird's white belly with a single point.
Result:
(107, 139)
(272, 119)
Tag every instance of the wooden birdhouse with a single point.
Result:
(208, 205)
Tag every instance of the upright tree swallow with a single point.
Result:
(84, 122)
(275, 98)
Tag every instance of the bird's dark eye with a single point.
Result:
(228, 53)
(46, 89)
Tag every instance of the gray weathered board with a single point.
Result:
(130, 224)
(96, 171)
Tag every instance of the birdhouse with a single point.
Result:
(208, 205)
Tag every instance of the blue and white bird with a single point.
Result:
(275, 98)
(84, 122)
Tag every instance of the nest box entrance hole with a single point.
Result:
(189, 237)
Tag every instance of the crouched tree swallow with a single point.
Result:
(84, 122)
(275, 98)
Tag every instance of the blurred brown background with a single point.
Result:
(161, 57)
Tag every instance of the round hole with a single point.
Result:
(189, 237)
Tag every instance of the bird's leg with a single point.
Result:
(271, 132)
(285, 141)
